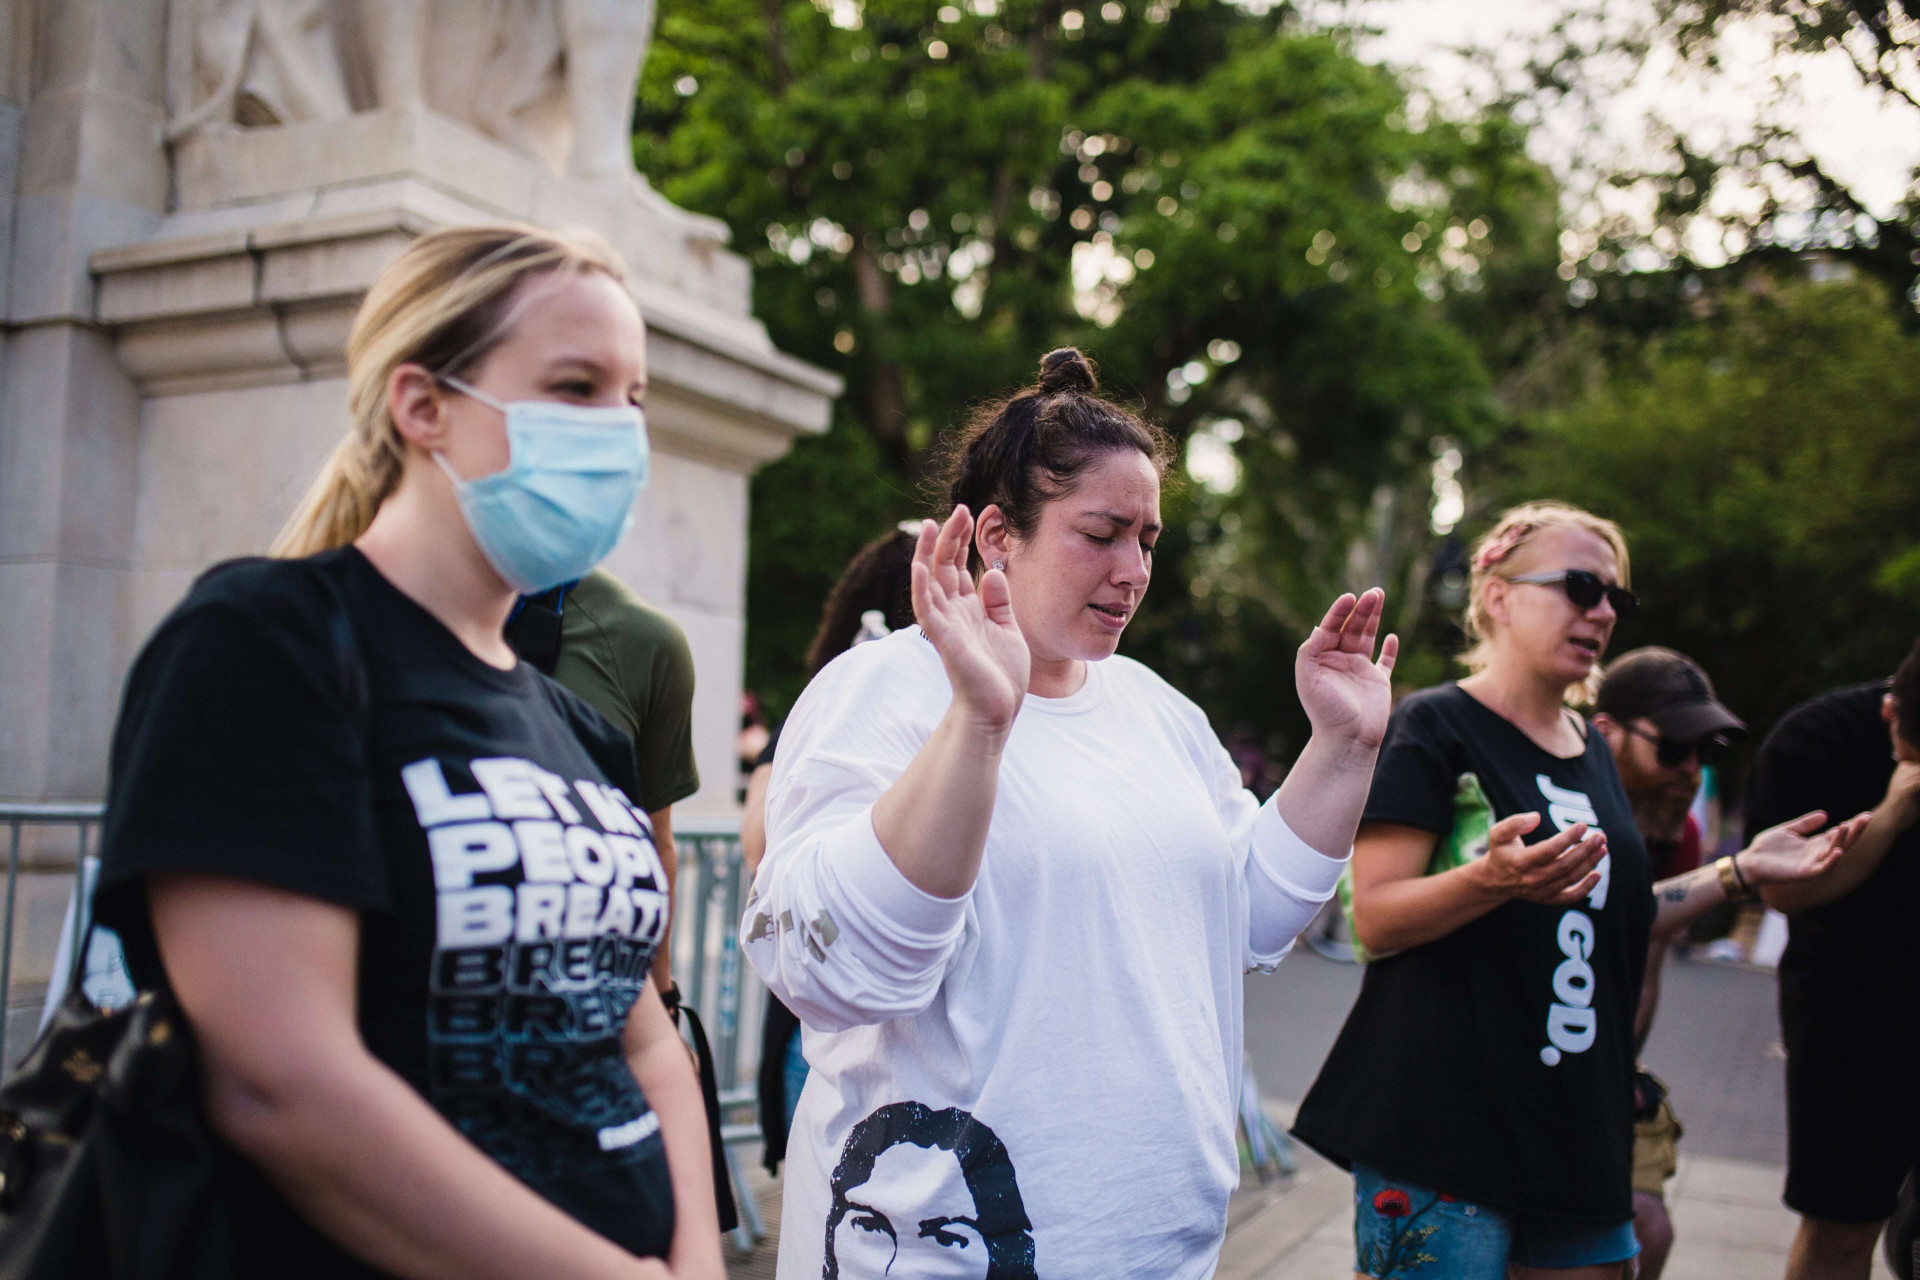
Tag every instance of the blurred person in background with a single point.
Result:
(1850, 976)
(389, 870)
(1481, 1090)
(1013, 882)
(630, 662)
(1711, 936)
(752, 738)
(1257, 771)
(1657, 711)
(872, 599)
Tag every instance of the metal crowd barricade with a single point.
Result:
(84, 817)
(710, 887)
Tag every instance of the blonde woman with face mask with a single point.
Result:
(1482, 1088)
(383, 864)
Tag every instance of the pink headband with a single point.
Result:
(1502, 547)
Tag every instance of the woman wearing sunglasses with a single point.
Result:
(1482, 1088)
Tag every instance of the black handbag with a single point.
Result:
(106, 1158)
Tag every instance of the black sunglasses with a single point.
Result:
(1671, 754)
(1585, 589)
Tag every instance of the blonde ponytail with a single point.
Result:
(444, 303)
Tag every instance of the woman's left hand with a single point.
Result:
(1345, 692)
(1791, 851)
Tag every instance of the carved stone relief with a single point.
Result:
(553, 79)
(253, 62)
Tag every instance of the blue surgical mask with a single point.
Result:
(566, 494)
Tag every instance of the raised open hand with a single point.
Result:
(972, 627)
(1559, 870)
(1791, 851)
(1346, 694)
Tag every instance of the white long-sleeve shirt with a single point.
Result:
(1040, 1075)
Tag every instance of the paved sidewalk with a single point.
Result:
(1729, 1224)
(757, 1265)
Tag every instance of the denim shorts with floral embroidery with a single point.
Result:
(1404, 1231)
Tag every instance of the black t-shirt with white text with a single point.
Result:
(1496, 1064)
(304, 725)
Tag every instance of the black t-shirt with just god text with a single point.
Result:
(304, 725)
(1496, 1063)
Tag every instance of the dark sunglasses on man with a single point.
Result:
(1672, 753)
(1585, 589)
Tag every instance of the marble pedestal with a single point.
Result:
(173, 372)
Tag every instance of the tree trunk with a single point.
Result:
(886, 393)
(777, 44)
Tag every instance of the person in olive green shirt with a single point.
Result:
(631, 663)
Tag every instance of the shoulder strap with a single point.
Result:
(535, 627)
(710, 1097)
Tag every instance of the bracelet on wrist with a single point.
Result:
(1728, 883)
(1732, 884)
(1746, 886)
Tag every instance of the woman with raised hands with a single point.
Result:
(1013, 881)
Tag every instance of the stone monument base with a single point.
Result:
(231, 321)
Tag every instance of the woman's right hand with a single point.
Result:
(972, 628)
(1558, 871)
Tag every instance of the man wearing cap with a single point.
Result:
(1657, 711)
(1850, 978)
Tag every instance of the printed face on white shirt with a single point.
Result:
(909, 1195)
(913, 1217)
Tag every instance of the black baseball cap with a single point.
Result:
(1669, 689)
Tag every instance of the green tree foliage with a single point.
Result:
(1256, 236)
(1765, 466)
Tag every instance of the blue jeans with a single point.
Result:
(795, 1077)
(1404, 1231)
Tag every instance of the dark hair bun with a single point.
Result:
(1024, 451)
(1066, 370)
